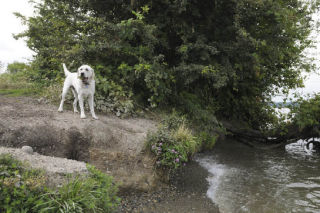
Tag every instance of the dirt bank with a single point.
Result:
(112, 144)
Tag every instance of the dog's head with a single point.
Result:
(85, 73)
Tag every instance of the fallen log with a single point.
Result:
(268, 140)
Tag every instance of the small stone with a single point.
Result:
(27, 149)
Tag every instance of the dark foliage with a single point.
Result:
(227, 56)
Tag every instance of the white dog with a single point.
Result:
(82, 85)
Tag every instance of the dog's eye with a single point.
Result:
(87, 69)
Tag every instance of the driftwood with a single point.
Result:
(257, 139)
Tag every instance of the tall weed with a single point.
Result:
(173, 144)
(95, 193)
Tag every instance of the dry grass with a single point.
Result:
(184, 136)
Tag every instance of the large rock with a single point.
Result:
(113, 145)
(57, 169)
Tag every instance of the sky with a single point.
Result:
(16, 50)
(312, 80)
(10, 49)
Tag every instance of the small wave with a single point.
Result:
(304, 185)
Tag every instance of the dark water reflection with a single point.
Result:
(243, 179)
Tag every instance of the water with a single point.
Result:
(243, 179)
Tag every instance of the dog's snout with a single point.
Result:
(82, 74)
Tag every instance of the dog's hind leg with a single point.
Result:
(63, 96)
(75, 101)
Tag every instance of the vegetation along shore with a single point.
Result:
(172, 78)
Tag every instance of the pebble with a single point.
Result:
(27, 149)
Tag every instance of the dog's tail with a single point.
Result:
(66, 71)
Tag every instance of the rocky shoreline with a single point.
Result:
(185, 193)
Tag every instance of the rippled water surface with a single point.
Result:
(243, 179)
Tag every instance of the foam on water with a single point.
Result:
(216, 172)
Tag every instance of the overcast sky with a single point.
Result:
(12, 50)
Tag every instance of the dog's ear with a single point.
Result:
(78, 72)
(92, 73)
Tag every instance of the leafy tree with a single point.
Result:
(16, 67)
(217, 57)
(306, 113)
(121, 50)
(232, 54)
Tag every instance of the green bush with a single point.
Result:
(53, 92)
(16, 67)
(306, 113)
(24, 190)
(20, 187)
(169, 154)
(95, 193)
(112, 97)
(207, 140)
(183, 136)
(201, 114)
(173, 144)
(17, 84)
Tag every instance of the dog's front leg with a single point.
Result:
(91, 105)
(82, 115)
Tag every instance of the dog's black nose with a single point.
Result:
(82, 74)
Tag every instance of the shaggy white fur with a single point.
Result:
(82, 84)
